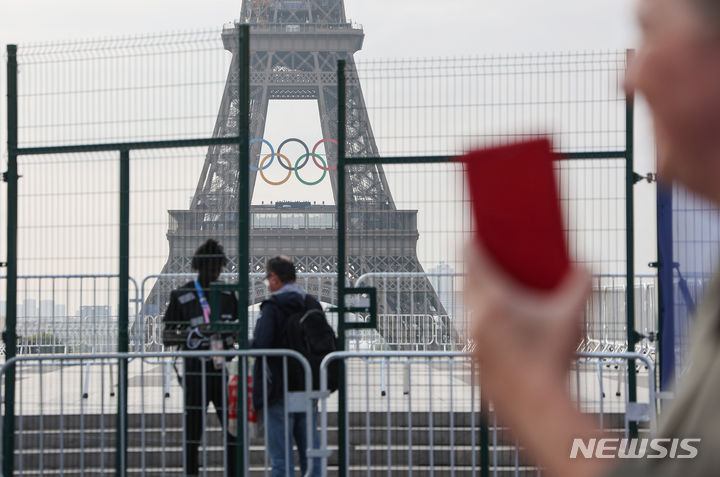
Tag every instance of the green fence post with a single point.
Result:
(244, 178)
(123, 300)
(10, 334)
(484, 433)
(630, 245)
(342, 393)
(243, 230)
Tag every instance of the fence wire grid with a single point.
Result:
(406, 211)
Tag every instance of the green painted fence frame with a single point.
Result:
(242, 141)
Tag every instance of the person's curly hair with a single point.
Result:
(209, 255)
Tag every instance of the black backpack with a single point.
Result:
(308, 332)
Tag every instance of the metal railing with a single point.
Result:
(46, 323)
(55, 432)
(150, 324)
(605, 321)
(52, 327)
(422, 414)
(425, 417)
(297, 27)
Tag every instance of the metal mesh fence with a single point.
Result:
(408, 211)
(406, 206)
(67, 420)
(420, 413)
(410, 413)
(408, 217)
(184, 86)
(67, 253)
(441, 107)
(155, 87)
(94, 95)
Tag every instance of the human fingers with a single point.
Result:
(562, 303)
(487, 285)
(483, 273)
(487, 278)
(498, 301)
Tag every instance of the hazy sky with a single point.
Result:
(394, 27)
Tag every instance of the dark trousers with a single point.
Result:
(215, 386)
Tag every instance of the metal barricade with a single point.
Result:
(422, 416)
(599, 385)
(149, 324)
(408, 331)
(144, 432)
(399, 332)
(419, 412)
(605, 314)
(69, 314)
(47, 325)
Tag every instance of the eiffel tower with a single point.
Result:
(295, 46)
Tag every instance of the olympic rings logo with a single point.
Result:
(286, 164)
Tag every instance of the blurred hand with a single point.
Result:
(530, 334)
(524, 343)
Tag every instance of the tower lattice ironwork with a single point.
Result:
(295, 46)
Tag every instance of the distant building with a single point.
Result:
(447, 285)
(442, 278)
(47, 308)
(28, 308)
(445, 281)
(94, 312)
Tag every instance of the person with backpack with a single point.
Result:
(289, 319)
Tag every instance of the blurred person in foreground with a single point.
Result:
(526, 340)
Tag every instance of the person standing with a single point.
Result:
(525, 340)
(283, 425)
(186, 324)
